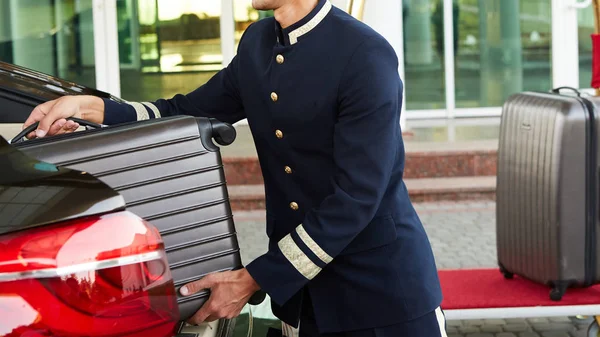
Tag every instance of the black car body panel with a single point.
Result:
(34, 193)
(22, 89)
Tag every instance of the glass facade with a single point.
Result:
(167, 47)
(500, 47)
(52, 36)
(173, 46)
(424, 54)
(504, 48)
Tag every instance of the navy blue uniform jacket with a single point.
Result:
(322, 99)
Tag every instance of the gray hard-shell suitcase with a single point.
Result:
(170, 173)
(547, 189)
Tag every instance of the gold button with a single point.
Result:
(280, 59)
(288, 170)
(279, 134)
(274, 96)
(294, 206)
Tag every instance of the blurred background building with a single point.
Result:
(459, 58)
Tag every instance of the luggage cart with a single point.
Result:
(487, 294)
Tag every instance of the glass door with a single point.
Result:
(55, 37)
(186, 34)
(128, 28)
(464, 58)
(168, 47)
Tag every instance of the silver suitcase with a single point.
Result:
(547, 189)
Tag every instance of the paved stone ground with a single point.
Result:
(463, 236)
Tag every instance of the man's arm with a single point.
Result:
(218, 98)
(365, 148)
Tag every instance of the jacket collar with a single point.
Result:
(289, 36)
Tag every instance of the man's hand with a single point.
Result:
(230, 291)
(53, 115)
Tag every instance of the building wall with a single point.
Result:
(498, 46)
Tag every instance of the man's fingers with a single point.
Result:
(61, 126)
(46, 126)
(212, 318)
(57, 127)
(206, 282)
(207, 313)
(61, 110)
(71, 125)
(218, 313)
(39, 112)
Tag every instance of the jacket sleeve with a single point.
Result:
(218, 98)
(367, 139)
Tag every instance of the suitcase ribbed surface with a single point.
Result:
(168, 177)
(526, 191)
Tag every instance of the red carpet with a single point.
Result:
(487, 288)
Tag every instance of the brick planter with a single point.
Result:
(246, 171)
(251, 197)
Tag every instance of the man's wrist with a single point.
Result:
(254, 286)
(92, 109)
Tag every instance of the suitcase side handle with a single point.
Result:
(557, 90)
(213, 129)
(223, 133)
(19, 137)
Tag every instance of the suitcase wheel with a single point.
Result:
(507, 275)
(558, 291)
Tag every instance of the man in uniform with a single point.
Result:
(348, 255)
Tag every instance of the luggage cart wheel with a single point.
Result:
(594, 329)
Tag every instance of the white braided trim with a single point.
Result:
(153, 108)
(295, 34)
(297, 258)
(312, 245)
(140, 111)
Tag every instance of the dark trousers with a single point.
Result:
(430, 325)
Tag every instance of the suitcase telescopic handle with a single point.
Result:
(19, 137)
(558, 90)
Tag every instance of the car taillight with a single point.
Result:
(103, 276)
